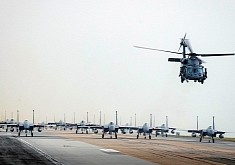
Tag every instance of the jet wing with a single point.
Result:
(129, 127)
(195, 131)
(220, 132)
(10, 125)
(91, 126)
(158, 129)
(38, 125)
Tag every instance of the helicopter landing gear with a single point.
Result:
(182, 79)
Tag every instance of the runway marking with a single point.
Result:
(50, 158)
(110, 151)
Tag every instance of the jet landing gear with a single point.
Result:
(31, 132)
(110, 135)
(212, 138)
(144, 136)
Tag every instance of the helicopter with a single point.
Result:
(191, 65)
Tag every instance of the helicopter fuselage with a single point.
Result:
(191, 69)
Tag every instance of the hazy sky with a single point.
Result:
(77, 56)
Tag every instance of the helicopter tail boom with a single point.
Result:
(174, 59)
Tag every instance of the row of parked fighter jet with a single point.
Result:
(111, 129)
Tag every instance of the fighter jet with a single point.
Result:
(210, 131)
(145, 129)
(83, 126)
(164, 129)
(111, 129)
(9, 123)
(26, 126)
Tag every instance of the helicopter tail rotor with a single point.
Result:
(182, 43)
(189, 46)
(185, 43)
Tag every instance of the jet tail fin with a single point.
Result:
(213, 122)
(167, 121)
(197, 122)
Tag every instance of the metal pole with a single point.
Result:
(87, 117)
(150, 120)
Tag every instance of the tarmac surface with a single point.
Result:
(47, 148)
(66, 147)
(13, 152)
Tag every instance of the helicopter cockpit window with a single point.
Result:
(200, 71)
(189, 70)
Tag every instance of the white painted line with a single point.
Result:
(109, 150)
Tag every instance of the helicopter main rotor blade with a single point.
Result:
(182, 41)
(157, 49)
(208, 55)
(201, 60)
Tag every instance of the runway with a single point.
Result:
(162, 150)
(65, 151)
(66, 147)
